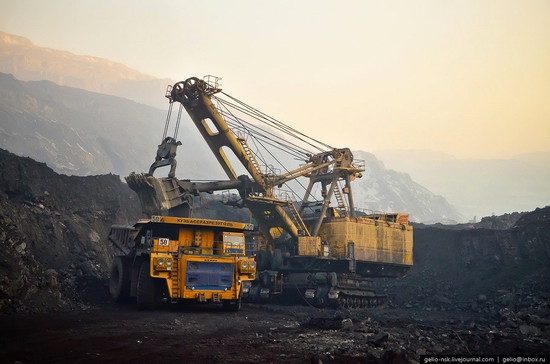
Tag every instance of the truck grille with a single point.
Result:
(209, 275)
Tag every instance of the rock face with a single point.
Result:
(53, 232)
(511, 240)
(473, 268)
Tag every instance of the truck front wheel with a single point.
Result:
(233, 305)
(119, 282)
(145, 288)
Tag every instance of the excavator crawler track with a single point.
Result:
(318, 289)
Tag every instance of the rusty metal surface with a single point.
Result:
(374, 241)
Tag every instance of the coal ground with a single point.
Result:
(474, 289)
(103, 332)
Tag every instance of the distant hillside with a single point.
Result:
(27, 62)
(384, 189)
(478, 187)
(77, 132)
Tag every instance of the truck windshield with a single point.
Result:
(234, 243)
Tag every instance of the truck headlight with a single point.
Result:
(244, 264)
(160, 262)
(169, 262)
(252, 265)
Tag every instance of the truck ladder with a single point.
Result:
(175, 278)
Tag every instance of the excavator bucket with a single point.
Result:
(160, 196)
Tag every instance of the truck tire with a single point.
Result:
(232, 305)
(276, 259)
(332, 279)
(119, 281)
(263, 260)
(145, 288)
(265, 279)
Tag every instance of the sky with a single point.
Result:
(470, 78)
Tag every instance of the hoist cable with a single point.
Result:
(239, 120)
(278, 125)
(167, 121)
(178, 122)
(287, 171)
(275, 121)
(288, 147)
(273, 142)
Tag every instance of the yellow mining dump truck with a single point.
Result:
(172, 259)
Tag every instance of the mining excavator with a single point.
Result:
(315, 246)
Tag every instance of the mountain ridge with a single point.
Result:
(78, 132)
(28, 62)
(478, 187)
(380, 185)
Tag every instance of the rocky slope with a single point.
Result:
(497, 272)
(53, 230)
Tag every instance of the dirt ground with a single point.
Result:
(113, 333)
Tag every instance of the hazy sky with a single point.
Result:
(469, 78)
